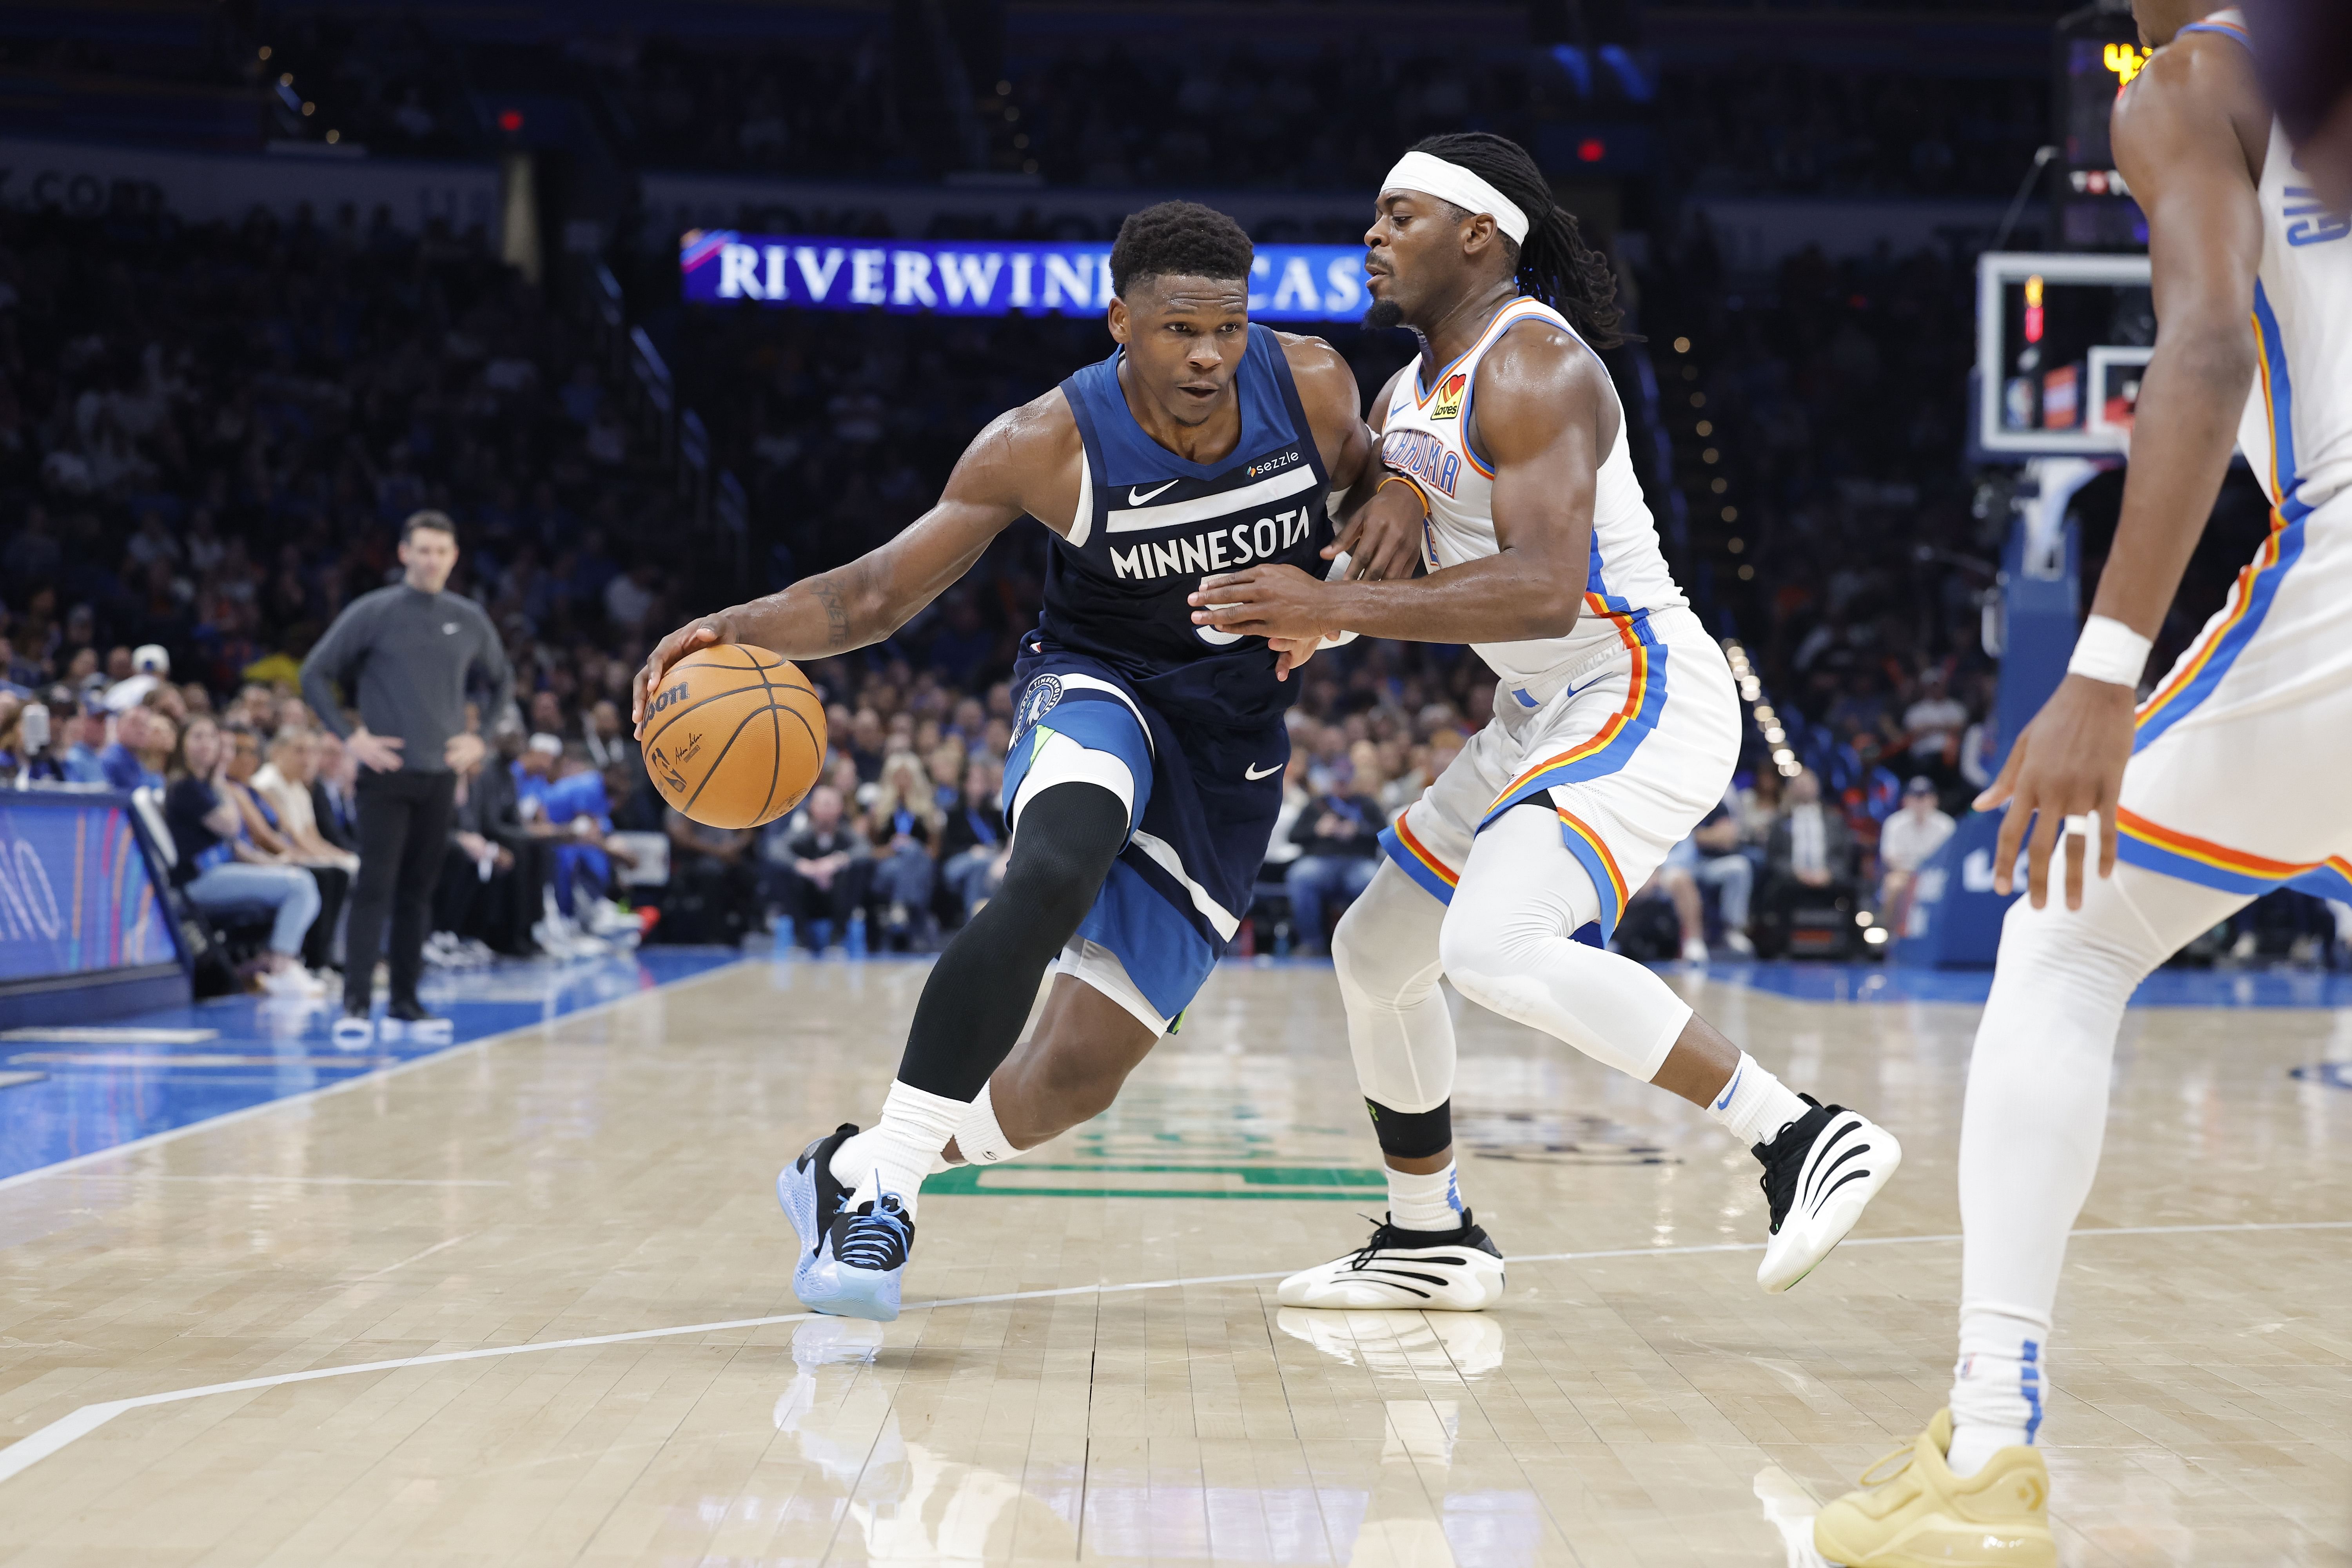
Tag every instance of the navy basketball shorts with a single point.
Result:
(1202, 803)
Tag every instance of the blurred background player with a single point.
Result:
(1616, 726)
(1146, 766)
(2227, 783)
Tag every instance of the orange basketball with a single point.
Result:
(734, 736)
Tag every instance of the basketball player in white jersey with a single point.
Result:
(2228, 781)
(1615, 730)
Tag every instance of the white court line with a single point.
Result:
(29, 1452)
(264, 1177)
(229, 1119)
(417, 1256)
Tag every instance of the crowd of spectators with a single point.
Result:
(208, 436)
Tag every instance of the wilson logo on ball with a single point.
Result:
(673, 694)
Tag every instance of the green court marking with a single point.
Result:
(1286, 1183)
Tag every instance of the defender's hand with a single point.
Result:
(2068, 762)
(695, 633)
(1292, 652)
(1264, 602)
(1382, 539)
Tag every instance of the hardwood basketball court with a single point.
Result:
(528, 1301)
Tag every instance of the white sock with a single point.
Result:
(979, 1138)
(1754, 1106)
(1999, 1386)
(1430, 1203)
(900, 1149)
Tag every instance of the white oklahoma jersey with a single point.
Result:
(1426, 435)
(2239, 762)
(1627, 724)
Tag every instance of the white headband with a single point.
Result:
(1452, 183)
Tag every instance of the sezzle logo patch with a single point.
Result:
(1450, 392)
(1259, 470)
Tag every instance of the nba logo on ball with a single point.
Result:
(1036, 702)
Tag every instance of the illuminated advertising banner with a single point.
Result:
(984, 277)
(75, 895)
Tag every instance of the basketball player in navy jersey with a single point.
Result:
(1147, 760)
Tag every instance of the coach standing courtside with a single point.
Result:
(405, 655)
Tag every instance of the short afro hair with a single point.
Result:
(1177, 240)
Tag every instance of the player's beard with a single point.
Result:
(1384, 313)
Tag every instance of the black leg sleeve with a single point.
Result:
(981, 990)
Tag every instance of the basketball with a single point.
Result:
(735, 736)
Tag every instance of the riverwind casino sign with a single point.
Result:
(984, 277)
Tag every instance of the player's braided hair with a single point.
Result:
(1553, 264)
(1177, 240)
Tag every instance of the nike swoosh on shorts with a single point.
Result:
(1252, 772)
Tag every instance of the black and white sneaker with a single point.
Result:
(812, 1198)
(1820, 1171)
(1454, 1271)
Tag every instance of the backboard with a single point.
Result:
(2061, 341)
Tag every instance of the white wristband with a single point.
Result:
(2111, 651)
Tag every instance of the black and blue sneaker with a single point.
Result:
(812, 1198)
(869, 1245)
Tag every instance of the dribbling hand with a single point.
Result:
(2068, 762)
(695, 633)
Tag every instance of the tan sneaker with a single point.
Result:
(1923, 1516)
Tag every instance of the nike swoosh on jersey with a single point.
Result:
(1137, 495)
(1255, 772)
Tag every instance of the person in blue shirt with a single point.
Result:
(88, 732)
(144, 741)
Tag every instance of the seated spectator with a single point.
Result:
(1810, 859)
(1935, 723)
(1710, 858)
(819, 869)
(334, 806)
(144, 741)
(86, 739)
(29, 753)
(495, 875)
(284, 782)
(1904, 843)
(150, 668)
(903, 824)
(1339, 839)
(269, 831)
(973, 845)
(220, 871)
(715, 865)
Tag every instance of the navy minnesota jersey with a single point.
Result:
(1151, 525)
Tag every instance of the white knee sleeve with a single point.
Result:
(2037, 1095)
(1505, 945)
(1385, 953)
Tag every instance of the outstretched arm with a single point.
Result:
(2182, 135)
(1543, 410)
(1021, 463)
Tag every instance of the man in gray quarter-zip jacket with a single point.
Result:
(404, 656)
